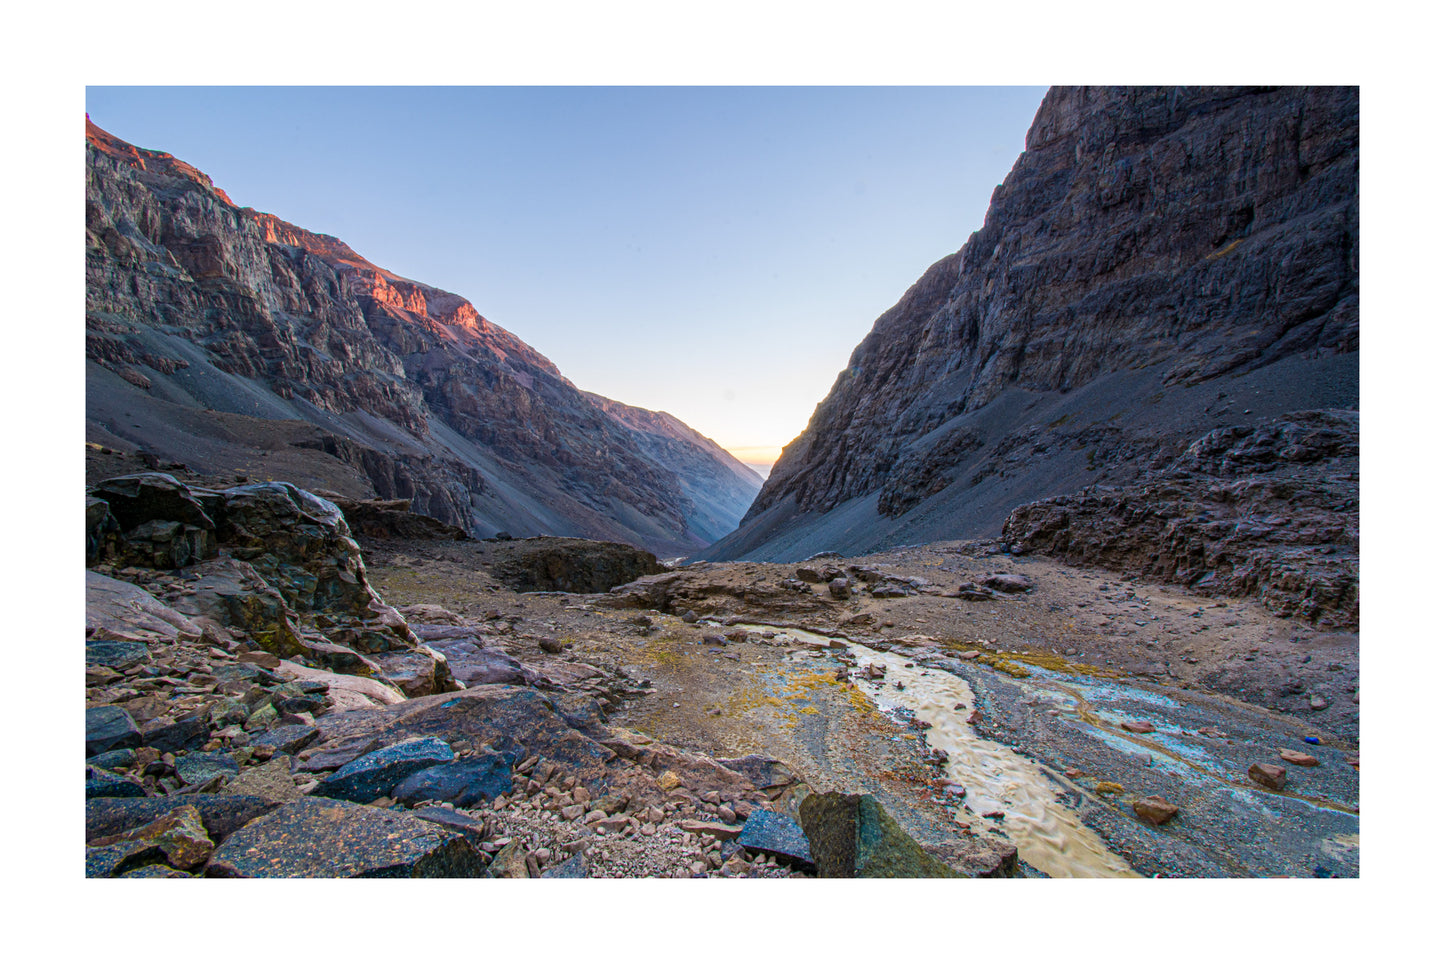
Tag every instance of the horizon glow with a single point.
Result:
(712, 252)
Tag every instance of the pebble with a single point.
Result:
(1268, 775)
(1155, 809)
(1298, 758)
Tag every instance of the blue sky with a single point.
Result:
(715, 252)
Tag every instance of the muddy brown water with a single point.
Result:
(1047, 833)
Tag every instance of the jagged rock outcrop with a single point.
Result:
(1159, 263)
(1272, 511)
(240, 344)
(569, 565)
(269, 565)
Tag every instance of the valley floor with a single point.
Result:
(1025, 719)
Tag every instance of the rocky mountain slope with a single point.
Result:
(719, 498)
(240, 345)
(1160, 264)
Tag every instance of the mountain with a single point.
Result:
(718, 498)
(240, 345)
(1160, 264)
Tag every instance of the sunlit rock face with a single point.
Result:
(1159, 264)
(234, 342)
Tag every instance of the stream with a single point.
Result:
(1233, 827)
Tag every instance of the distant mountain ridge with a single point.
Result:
(1160, 263)
(721, 498)
(235, 342)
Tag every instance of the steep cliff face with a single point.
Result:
(235, 342)
(1158, 264)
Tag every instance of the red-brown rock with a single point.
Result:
(1155, 809)
(1268, 775)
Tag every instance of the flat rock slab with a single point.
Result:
(119, 609)
(221, 815)
(721, 831)
(510, 718)
(109, 728)
(335, 756)
(270, 781)
(290, 738)
(374, 774)
(333, 838)
(177, 736)
(763, 772)
(774, 834)
(477, 665)
(464, 783)
(469, 827)
(100, 783)
(116, 653)
(197, 768)
(851, 835)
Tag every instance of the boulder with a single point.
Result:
(290, 738)
(465, 783)
(344, 692)
(374, 774)
(506, 718)
(510, 862)
(109, 728)
(118, 654)
(776, 835)
(765, 773)
(179, 839)
(1007, 582)
(570, 565)
(164, 524)
(112, 759)
(416, 672)
(175, 736)
(476, 665)
(221, 815)
(333, 838)
(148, 496)
(197, 769)
(272, 781)
(851, 835)
(101, 783)
(119, 610)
